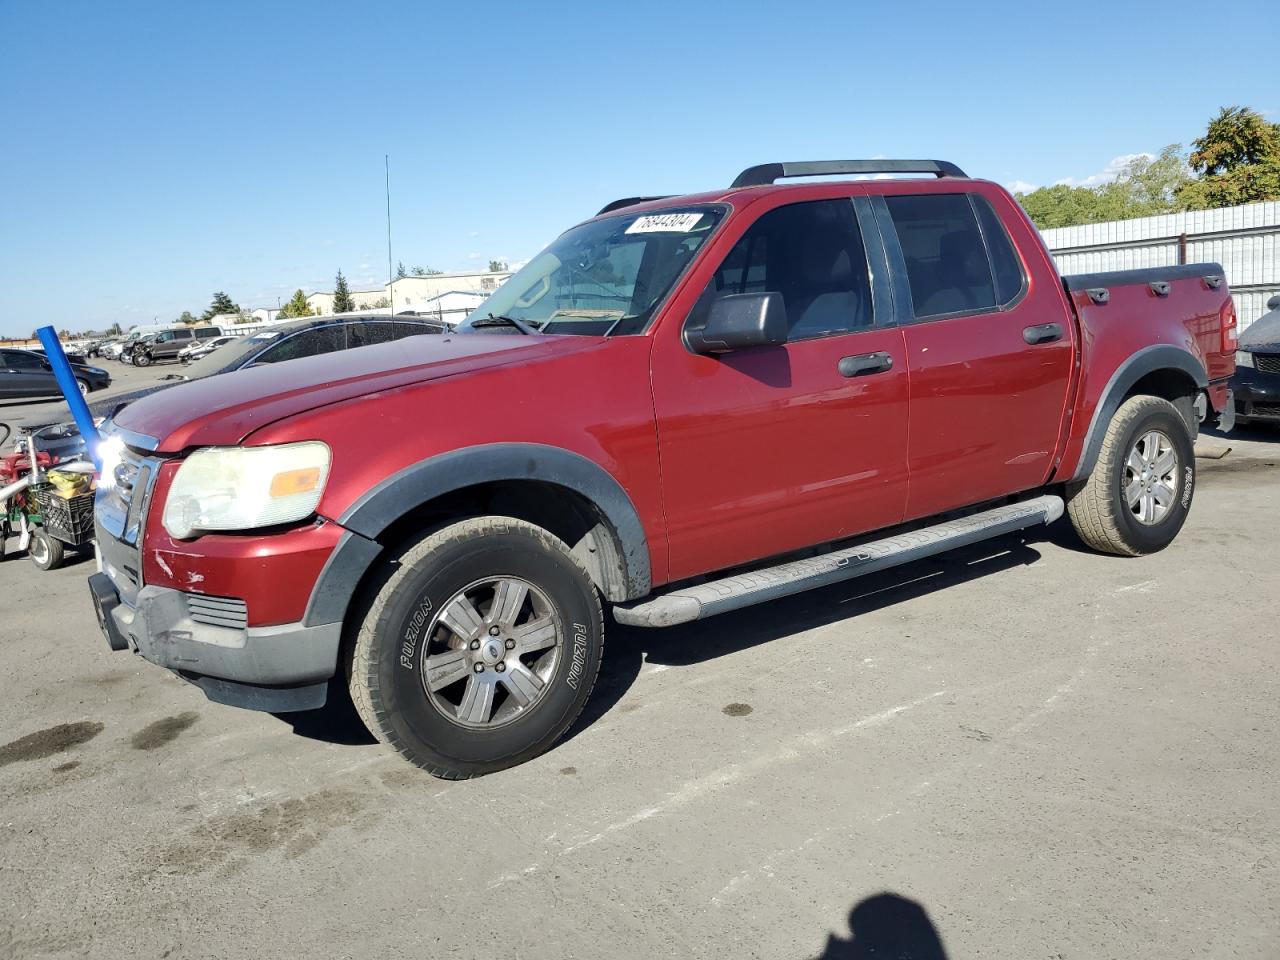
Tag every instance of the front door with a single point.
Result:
(990, 358)
(769, 449)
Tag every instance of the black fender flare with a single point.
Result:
(1148, 360)
(417, 484)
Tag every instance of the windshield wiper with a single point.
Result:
(496, 321)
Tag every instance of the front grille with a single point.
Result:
(123, 495)
(1267, 362)
(119, 510)
(1265, 410)
(218, 611)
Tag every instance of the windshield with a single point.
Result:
(228, 354)
(602, 277)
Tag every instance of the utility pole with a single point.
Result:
(391, 290)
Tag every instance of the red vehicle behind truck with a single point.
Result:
(683, 406)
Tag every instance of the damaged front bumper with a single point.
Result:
(277, 668)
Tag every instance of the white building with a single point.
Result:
(416, 294)
(322, 303)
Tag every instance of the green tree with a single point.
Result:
(342, 302)
(426, 272)
(114, 330)
(380, 303)
(401, 272)
(1238, 160)
(1151, 185)
(1146, 186)
(297, 307)
(497, 266)
(221, 303)
(188, 318)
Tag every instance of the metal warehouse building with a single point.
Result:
(1245, 240)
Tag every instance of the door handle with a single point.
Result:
(1042, 333)
(861, 364)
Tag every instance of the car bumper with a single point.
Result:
(277, 668)
(1257, 394)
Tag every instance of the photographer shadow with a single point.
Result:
(887, 927)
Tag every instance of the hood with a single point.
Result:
(224, 409)
(1263, 335)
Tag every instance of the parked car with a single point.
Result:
(282, 341)
(202, 348)
(683, 406)
(1256, 384)
(167, 344)
(73, 355)
(112, 349)
(27, 374)
(94, 348)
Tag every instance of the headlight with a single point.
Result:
(239, 488)
(1244, 358)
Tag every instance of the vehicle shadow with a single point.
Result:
(887, 927)
(628, 649)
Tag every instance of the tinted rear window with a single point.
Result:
(950, 257)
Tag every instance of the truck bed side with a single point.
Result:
(1170, 324)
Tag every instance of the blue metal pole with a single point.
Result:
(71, 390)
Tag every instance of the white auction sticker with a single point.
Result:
(665, 223)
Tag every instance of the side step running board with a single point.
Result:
(744, 589)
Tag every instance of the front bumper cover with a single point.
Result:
(277, 668)
(1257, 394)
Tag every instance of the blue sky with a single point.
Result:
(154, 153)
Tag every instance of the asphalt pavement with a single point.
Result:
(1019, 750)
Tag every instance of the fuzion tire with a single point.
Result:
(45, 551)
(1139, 493)
(479, 649)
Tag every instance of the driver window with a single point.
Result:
(812, 254)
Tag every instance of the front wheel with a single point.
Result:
(45, 551)
(1138, 494)
(480, 649)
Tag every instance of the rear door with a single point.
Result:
(769, 449)
(990, 356)
(24, 374)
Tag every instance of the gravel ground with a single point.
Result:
(1018, 750)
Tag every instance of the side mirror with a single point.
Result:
(1274, 302)
(739, 320)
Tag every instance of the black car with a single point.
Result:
(287, 341)
(1256, 384)
(73, 355)
(27, 375)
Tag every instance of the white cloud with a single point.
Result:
(1020, 186)
(1107, 173)
(474, 256)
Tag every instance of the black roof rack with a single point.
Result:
(769, 172)
(627, 202)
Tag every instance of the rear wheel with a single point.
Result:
(480, 649)
(1138, 495)
(45, 551)
(84, 387)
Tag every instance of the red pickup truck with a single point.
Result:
(682, 406)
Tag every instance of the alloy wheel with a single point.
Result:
(491, 651)
(1151, 477)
